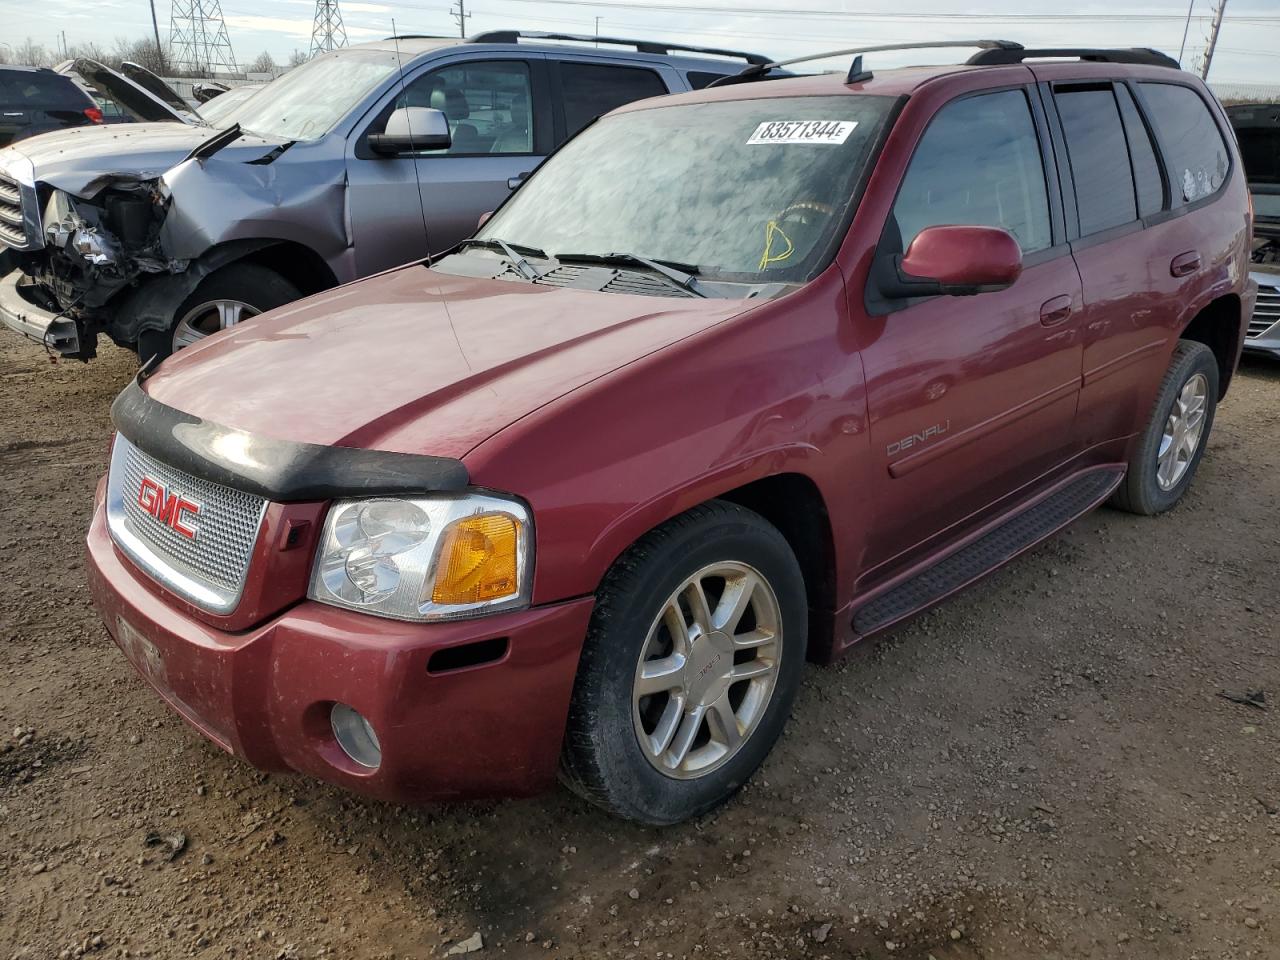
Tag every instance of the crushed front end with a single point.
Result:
(76, 255)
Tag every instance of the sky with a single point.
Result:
(1248, 47)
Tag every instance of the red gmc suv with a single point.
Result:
(737, 378)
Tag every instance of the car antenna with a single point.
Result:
(422, 209)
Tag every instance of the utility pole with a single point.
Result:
(597, 31)
(155, 27)
(460, 14)
(1213, 38)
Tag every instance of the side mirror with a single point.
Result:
(410, 129)
(956, 261)
(484, 218)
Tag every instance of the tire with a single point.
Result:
(603, 759)
(254, 287)
(1145, 489)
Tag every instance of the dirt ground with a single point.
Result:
(1042, 768)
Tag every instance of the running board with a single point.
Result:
(989, 551)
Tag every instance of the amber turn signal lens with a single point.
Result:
(478, 560)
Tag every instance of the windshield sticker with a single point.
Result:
(803, 131)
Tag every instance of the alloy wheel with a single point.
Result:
(707, 670)
(206, 318)
(1183, 431)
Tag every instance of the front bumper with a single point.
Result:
(1263, 333)
(53, 331)
(264, 695)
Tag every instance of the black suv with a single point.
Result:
(35, 99)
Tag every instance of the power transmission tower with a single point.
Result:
(198, 38)
(327, 33)
(459, 13)
(1213, 38)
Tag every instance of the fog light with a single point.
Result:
(355, 736)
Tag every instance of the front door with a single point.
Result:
(971, 399)
(403, 208)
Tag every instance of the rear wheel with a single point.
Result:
(1169, 451)
(690, 666)
(223, 299)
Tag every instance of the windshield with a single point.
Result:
(221, 106)
(749, 190)
(308, 101)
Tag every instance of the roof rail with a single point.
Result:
(1144, 55)
(417, 36)
(660, 47)
(856, 73)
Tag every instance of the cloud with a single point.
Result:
(348, 6)
(295, 28)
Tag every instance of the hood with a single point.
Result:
(134, 99)
(1257, 127)
(417, 361)
(139, 75)
(80, 159)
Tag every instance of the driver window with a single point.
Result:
(978, 164)
(487, 103)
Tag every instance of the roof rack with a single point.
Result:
(856, 73)
(1143, 55)
(417, 36)
(660, 47)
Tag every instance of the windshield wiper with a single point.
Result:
(513, 254)
(681, 274)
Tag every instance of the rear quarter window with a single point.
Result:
(1195, 153)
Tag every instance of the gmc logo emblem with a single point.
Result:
(171, 509)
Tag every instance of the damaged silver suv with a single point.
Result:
(158, 234)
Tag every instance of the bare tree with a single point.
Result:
(262, 64)
(32, 54)
(297, 58)
(141, 51)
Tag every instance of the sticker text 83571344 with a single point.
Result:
(803, 131)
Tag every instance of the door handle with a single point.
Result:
(519, 178)
(1056, 310)
(1185, 264)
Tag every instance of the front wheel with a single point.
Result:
(223, 299)
(1169, 450)
(690, 666)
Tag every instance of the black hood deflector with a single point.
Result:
(279, 470)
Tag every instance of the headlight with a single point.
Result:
(433, 558)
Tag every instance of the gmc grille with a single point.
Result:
(207, 568)
(12, 230)
(1266, 313)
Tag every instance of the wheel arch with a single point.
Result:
(1218, 326)
(788, 497)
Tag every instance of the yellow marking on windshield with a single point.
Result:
(772, 230)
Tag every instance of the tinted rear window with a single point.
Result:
(591, 90)
(1099, 158)
(33, 90)
(1195, 153)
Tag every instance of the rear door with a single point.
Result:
(404, 207)
(973, 398)
(1142, 260)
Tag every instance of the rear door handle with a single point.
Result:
(1056, 310)
(1185, 264)
(519, 178)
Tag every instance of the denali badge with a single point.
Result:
(168, 508)
(928, 433)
